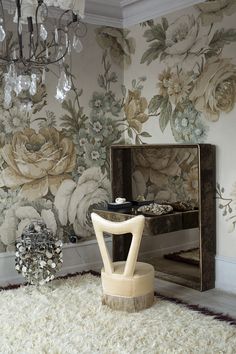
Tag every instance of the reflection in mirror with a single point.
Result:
(170, 176)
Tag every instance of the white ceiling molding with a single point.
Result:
(125, 13)
(104, 12)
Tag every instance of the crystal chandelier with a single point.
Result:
(26, 58)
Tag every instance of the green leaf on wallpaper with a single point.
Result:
(152, 52)
(222, 37)
(149, 35)
(80, 92)
(123, 90)
(137, 140)
(113, 77)
(155, 33)
(101, 81)
(134, 83)
(130, 133)
(165, 113)
(145, 135)
(140, 87)
(163, 56)
(131, 44)
(164, 23)
(155, 103)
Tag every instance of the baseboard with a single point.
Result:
(76, 258)
(225, 274)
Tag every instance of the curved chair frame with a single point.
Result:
(134, 226)
(127, 285)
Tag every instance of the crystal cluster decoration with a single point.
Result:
(155, 209)
(38, 254)
(37, 46)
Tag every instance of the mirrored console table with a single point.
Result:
(169, 172)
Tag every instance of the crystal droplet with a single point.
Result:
(33, 85)
(43, 32)
(64, 82)
(66, 40)
(20, 28)
(7, 97)
(56, 35)
(69, 47)
(43, 76)
(77, 45)
(60, 54)
(2, 34)
(14, 54)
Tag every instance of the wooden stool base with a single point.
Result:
(129, 304)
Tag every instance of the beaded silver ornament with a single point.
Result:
(38, 254)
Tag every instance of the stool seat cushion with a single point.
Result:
(140, 284)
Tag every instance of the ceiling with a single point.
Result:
(125, 13)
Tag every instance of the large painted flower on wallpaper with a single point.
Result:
(198, 84)
(38, 162)
(213, 10)
(215, 88)
(116, 40)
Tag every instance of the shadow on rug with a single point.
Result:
(66, 316)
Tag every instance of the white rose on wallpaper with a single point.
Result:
(76, 202)
(214, 10)
(185, 44)
(215, 89)
(38, 162)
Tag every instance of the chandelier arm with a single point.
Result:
(37, 29)
(48, 62)
(60, 18)
(18, 9)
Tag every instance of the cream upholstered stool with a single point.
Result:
(126, 285)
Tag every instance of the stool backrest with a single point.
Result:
(134, 226)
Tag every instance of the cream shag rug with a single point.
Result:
(66, 316)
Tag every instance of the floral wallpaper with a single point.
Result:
(189, 92)
(55, 163)
(167, 80)
(165, 174)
